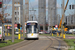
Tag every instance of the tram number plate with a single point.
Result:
(32, 34)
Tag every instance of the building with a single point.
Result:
(18, 4)
(52, 17)
(70, 20)
(42, 13)
(58, 19)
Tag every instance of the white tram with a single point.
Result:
(32, 30)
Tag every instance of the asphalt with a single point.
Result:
(44, 43)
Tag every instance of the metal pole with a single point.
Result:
(2, 19)
(34, 13)
(74, 11)
(51, 21)
(32, 18)
(23, 24)
(13, 20)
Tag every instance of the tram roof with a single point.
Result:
(32, 22)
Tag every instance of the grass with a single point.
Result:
(9, 42)
(16, 35)
(70, 34)
(70, 42)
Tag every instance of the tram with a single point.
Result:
(32, 30)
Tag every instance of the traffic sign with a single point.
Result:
(15, 25)
(56, 26)
(8, 27)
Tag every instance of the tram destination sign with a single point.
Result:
(31, 23)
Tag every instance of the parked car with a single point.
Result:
(67, 32)
(16, 31)
(53, 31)
(58, 31)
(41, 32)
(47, 32)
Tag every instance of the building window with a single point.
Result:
(18, 18)
(18, 3)
(71, 19)
(18, 13)
(15, 8)
(15, 2)
(18, 8)
(15, 13)
(15, 18)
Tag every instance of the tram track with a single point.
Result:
(26, 43)
(52, 42)
(59, 44)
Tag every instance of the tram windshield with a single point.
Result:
(32, 28)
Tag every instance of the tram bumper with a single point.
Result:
(32, 36)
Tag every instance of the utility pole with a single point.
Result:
(34, 13)
(26, 10)
(32, 18)
(51, 20)
(2, 19)
(23, 24)
(13, 20)
(74, 11)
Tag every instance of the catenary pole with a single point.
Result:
(13, 20)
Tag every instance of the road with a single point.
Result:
(44, 43)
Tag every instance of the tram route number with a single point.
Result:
(32, 34)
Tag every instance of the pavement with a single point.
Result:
(44, 43)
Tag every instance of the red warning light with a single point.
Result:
(0, 2)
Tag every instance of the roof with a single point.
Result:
(32, 22)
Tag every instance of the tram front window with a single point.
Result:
(35, 29)
(32, 29)
(29, 29)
